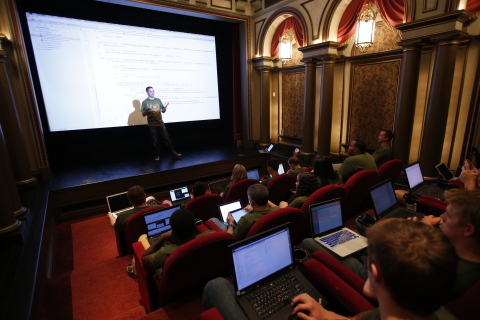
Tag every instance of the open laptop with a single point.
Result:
(180, 195)
(218, 187)
(264, 265)
(118, 203)
(445, 172)
(158, 222)
(253, 174)
(418, 186)
(328, 229)
(225, 208)
(267, 150)
(281, 170)
(385, 203)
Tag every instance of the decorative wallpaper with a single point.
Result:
(292, 113)
(385, 39)
(373, 99)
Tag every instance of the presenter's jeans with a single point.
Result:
(157, 133)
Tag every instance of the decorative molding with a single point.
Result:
(258, 30)
(315, 13)
(320, 50)
(201, 3)
(429, 5)
(256, 4)
(240, 5)
(227, 4)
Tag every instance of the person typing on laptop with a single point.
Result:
(272, 168)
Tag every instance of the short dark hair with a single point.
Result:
(136, 195)
(388, 134)
(416, 262)
(323, 170)
(467, 205)
(258, 193)
(361, 145)
(146, 90)
(182, 223)
(273, 163)
(293, 160)
(199, 189)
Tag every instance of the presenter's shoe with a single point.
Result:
(177, 154)
(157, 158)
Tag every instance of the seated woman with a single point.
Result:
(306, 185)
(323, 170)
(239, 173)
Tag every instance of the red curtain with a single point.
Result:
(392, 10)
(289, 23)
(473, 5)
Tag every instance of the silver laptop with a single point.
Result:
(118, 203)
(445, 172)
(267, 150)
(180, 195)
(158, 222)
(225, 208)
(218, 187)
(417, 184)
(253, 174)
(328, 229)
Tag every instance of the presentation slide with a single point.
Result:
(94, 74)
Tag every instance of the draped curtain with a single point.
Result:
(392, 11)
(473, 5)
(289, 23)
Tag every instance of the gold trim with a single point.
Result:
(28, 181)
(11, 228)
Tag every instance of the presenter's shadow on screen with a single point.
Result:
(135, 118)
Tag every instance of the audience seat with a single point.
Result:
(309, 169)
(456, 184)
(280, 187)
(390, 170)
(430, 205)
(239, 191)
(189, 268)
(276, 218)
(210, 314)
(357, 198)
(325, 193)
(205, 207)
(463, 306)
(341, 282)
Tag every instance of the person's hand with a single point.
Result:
(306, 302)
(164, 109)
(469, 178)
(468, 165)
(166, 236)
(248, 208)
(164, 202)
(283, 204)
(110, 215)
(230, 219)
(431, 220)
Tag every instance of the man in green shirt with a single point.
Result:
(151, 107)
(272, 168)
(384, 153)
(295, 167)
(359, 160)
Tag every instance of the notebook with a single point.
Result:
(253, 174)
(225, 208)
(385, 203)
(158, 222)
(264, 265)
(218, 186)
(267, 150)
(418, 186)
(445, 172)
(328, 229)
(180, 195)
(118, 203)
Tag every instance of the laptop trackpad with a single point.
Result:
(355, 245)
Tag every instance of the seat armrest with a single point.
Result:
(146, 284)
(212, 226)
(211, 314)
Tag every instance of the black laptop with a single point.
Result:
(418, 185)
(264, 267)
(158, 222)
(445, 172)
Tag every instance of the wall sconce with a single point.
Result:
(366, 28)
(3, 42)
(286, 42)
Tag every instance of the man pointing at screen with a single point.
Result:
(151, 108)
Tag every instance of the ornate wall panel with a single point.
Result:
(373, 99)
(385, 39)
(292, 103)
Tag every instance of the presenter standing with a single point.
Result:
(151, 108)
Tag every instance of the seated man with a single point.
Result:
(259, 206)
(359, 159)
(385, 152)
(183, 230)
(198, 189)
(295, 167)
(411, 271)
(272, 168)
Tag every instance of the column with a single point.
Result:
(326, 107)
(407, 95)
(438, 105)
(11, 127)
(264, 106)
(309, 106)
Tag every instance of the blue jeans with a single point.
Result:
(219, 293)
(157, 132)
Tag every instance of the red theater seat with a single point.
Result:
(280, 187)
(239, 191)
(390, 170)
(205, 207)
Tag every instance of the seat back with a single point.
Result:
(193, 264)
(239, 191)
(205, 207)
(280, 187)
(325, 193)
(276, 218)
(463, 306)
(136, 227)
(356, 198)
(390, 170)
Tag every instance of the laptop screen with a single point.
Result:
(179, 194)
(253, 174)
(270, 147)
(118, 202)
(158, 221)
(280, 169)
(238, 214)
(229, 207)
(444, 171)
(218, 186)
(414, 175)
(326, 216)
(383, 197)
(256, 258)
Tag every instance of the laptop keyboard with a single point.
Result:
(402, 213)
(338, 238)
(274, 296)
(432, 190)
